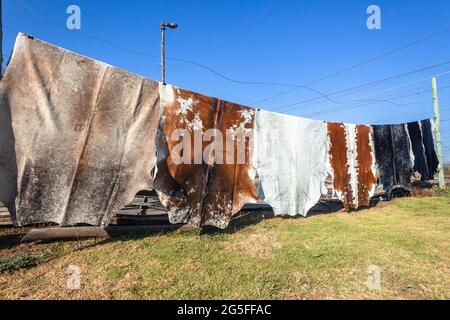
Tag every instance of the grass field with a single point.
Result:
(321, 257)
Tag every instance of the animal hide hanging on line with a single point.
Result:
(290, 160)
(197, 191)
(77, 136)
(352, 163)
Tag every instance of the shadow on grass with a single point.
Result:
(10, 237)
(246, 218)
(250, 215)
(323, 207)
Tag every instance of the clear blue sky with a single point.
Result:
(289, 41)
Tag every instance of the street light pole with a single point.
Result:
(163, 55)
(163, 27)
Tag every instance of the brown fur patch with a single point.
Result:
(203, 193)
(339, 162)
(366, 177)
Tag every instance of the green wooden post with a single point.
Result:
(437, 127)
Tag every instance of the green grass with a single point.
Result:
(24, 261)
(321, 257)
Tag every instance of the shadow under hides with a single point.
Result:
(8, 161)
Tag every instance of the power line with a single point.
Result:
(252, 82)
(333, 74)
(416, 93)
(403, 115)
(352, 106)
(204, 67)
(264, 11)
(295, 86)
(388, 98)
(370, 101)
(9, 28)
(382, 91)
(42, 16)
(372, 83)
(368, 84)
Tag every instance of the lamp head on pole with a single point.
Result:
(171, 25)
(164, 25)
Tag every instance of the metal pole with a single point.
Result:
(437, 127)
(163, 57)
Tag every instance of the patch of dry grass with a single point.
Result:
(321, 257)
(255, 245)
